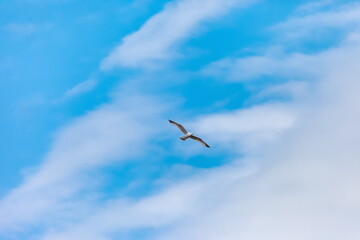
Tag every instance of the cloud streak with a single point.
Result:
(112, 133)
(345, 18)
(81, 88)
(306, 183)
(295, 169)
(157, 39)
(306, 187)
(253, 67)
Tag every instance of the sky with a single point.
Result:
(87, 89)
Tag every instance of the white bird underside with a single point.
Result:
(188, 134)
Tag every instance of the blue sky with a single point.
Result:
(87, 89)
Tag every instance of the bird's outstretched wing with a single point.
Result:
(200, 140)
(179, 126)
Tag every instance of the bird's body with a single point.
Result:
(188, 134)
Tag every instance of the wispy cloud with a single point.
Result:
(81, 88)
(247, 129)
(289, 90)
(293, 66)
(157, 38)
(25, 29)
(159, 211)
(248, 68)
(307, 185)
(295, 169)
(277, 60)
(345, 18)
(112, 133)
(314, 6)
(309, 178)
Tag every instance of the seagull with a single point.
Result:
(188, 134)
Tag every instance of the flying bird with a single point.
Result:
(188, 134)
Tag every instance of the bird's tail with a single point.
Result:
(183, 138)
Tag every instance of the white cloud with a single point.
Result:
(247, 68)
(284, 66)
(81, 88)
(305, 188)
(289, 90)
(156, 39)
(246, 129)
(112, 133)
(314, 6)
(296, 65)
(345, 17)
(158, 211)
